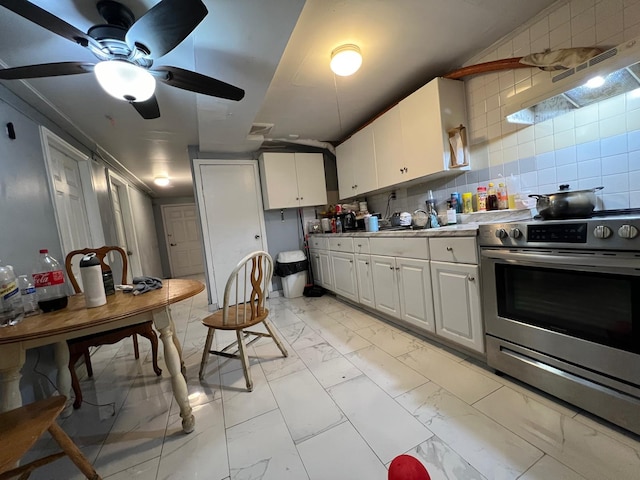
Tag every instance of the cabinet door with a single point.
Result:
(344, 275)
(456, 298)
(426, 116)
(279, 182)
(416, 301)
(326, 272)
(365, 176)
(387, 141)
(345, 158)
(314, 256)
(311, 179)
(385, 285)
(365, 280)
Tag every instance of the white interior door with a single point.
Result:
(70, 186)
(231, 215)
(125, 228)
(184, 242)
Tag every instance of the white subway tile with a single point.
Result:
(607, 8)
(618, 183)
(539, 29)
(564, 139)
(510, 139)
(543, 129)
(613, 145)
(586, 115)
(495, 158)
(588, 151)
(492, 102)
(522, 44)
(494, 116)
(633, 100)
(526, 149)
(523, 85)
(609, 27)
(559, 16)
(579, 6)
(567, 173)
(616, 200)
(631, 31)
(540, 44)
(634, 180)
(529, 180)
(494, 132)
(589, 168)
(612, 107)
(565, 156)
(592, 182)
(584, 38)
(560, 36)
(583, 20)
(615, 164)
(547, 176)
(526, 134)
(633, 120)
(545, 160)
(633, 140)
(587, 133)
(613, 126)
(564, 122)
(492, 87)
(505, 50)
(634, 160)
(634, 199)
(510, 154)
(544, 144)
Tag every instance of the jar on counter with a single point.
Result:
(482, 199)
(467, 202)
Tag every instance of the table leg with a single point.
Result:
(12, 358)
(63, 377)
(176, 342)
(163, 323)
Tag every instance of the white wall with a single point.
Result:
(146, 233)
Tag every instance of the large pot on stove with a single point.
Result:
(566, 203)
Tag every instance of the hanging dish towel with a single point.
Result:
(145, 284)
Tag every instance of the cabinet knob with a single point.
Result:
(350, 261)
(390, 268)
(338, 244)
(355, 186)
(366, 263)
(401, 170)
(173, 244)
(449, 249)
(406, 169)
(256, 237)
(471, 278)
(301, 198)
(397, 268)
(297, 198)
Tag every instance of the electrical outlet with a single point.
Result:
(393, 195)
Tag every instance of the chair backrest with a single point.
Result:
(247, 289)
(101, 253)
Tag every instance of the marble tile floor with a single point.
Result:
(355, 392)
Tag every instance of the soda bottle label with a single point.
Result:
(48, 279)
(8, 290)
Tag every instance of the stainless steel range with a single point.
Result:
(562, 309)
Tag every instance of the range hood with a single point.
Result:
(611, 73)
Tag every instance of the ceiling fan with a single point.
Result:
(126, 49)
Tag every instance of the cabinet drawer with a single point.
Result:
(454, 249)
(319, 242)
(341, 244)
(400, 247)
(361, 245)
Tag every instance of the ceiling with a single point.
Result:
(277, 51)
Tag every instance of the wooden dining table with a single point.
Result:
(121, 309)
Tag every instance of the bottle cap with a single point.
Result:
(501, 184)
(44, 250)
(482, 189)
(491, 184)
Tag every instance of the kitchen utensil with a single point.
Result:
(349, 221)
(420, 219)
(395, 219)
(566, 203)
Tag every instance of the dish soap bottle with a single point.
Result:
(492, 198)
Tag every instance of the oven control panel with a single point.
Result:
(557, 233)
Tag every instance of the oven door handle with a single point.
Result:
(559, 259)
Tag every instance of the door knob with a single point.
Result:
(173, 244)
(256, 237)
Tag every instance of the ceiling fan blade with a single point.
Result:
(49, 21)
(196, 82)
(45, 70)
(148, 109)
(167, 24)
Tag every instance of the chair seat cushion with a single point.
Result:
(216, 320)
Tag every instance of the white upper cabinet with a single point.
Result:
(426, 116)
(356, 162)
(387, 140)
(291, 180)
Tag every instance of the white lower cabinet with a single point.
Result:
(385, 285)
(456, 298)
(326, 273)
(344, 275)
(402, 289)
(364, 276)
(414, 287)
(314, 258)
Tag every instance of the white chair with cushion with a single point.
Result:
(243, 307)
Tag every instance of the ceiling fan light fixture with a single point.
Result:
(161, 181)
(125, 81)
(346, 60)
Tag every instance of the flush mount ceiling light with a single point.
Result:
(125, 81)
(161, 181)
(346, 60)
(595, 82)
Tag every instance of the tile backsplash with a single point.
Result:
(597, 145)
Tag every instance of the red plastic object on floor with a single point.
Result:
(406, 467)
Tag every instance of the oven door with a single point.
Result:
(580, 307)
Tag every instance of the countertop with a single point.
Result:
(462, 230)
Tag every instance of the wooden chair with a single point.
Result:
(79, 347)
(242, 309)
(23, 426)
